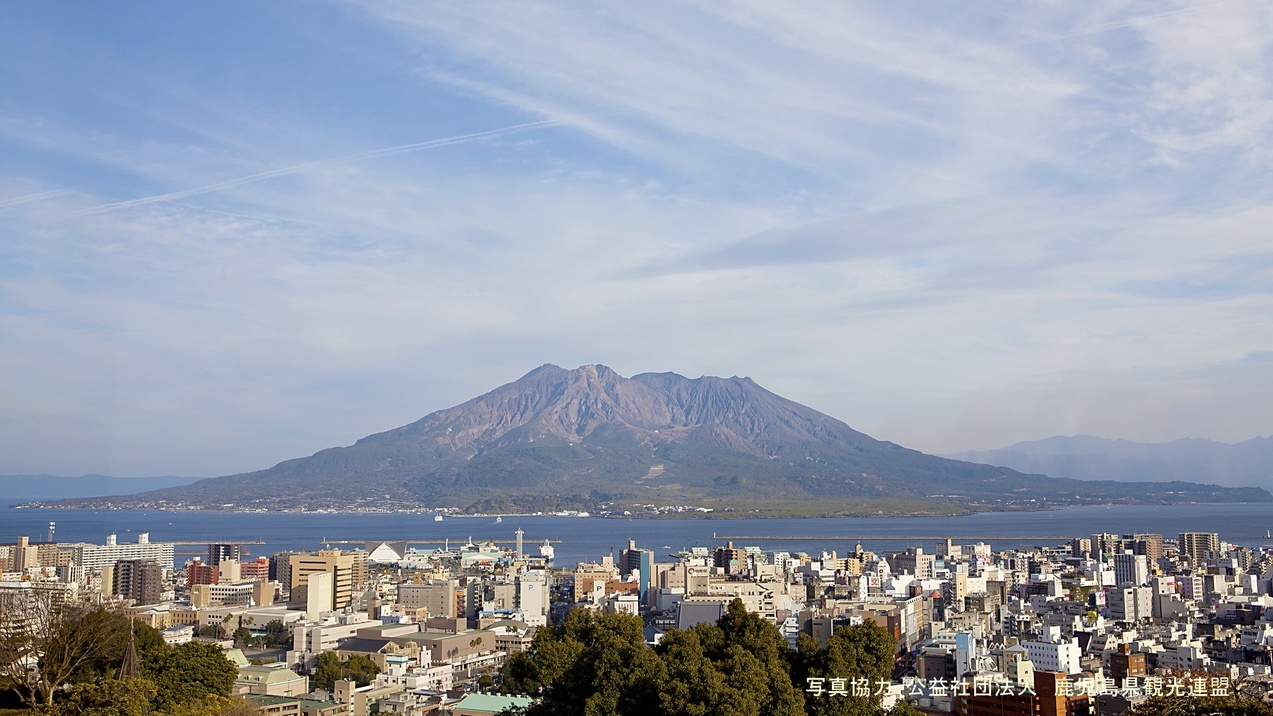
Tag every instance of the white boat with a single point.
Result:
(437, 518)
(499, 519)
(546, 551)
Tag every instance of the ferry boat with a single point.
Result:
(547, 552)
(437, 518)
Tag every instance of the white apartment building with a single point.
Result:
(1049, 656)
(1130, 569)
(93, 557)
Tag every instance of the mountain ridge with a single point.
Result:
(586, 439)
(1244, 464)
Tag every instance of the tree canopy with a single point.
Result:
(597, 663)
(190, 673)
(78, 652)
(329, 669)
(68, 643)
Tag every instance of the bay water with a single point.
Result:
(587, 539)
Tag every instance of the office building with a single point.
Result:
(340, 565)
(437, 598)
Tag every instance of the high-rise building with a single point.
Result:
(1054, 656)
(93, 557)
(227, 552)
(199, 573)
(913, 561)
(640, 561)
(281, 569)
(1194, 546)
(339, 564)
(1129, 604)
(23, 555)
(733, 561)
(1081, 547)
(1130, 569)
(361, 566)
(1149, 545)
(138, 580)
(438, 598)
(256, 571)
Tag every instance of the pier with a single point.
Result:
(877, 538)
(459, 542)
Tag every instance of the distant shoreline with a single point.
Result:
(725, 514)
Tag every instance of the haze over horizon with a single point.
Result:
(235, 235)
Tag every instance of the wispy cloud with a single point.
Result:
(368, 154)
(952, 230)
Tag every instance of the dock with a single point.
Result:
(458, 542)
(877, 538)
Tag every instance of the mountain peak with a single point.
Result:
(560, 437)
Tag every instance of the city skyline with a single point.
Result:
(239, 235)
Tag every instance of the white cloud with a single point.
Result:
(953, 232)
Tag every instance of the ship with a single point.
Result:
(437, 518)
(547, 552)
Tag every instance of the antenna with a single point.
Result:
(130, 669)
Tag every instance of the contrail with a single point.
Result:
(30, 197)
(371, 153)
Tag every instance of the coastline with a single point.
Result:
(726, 514)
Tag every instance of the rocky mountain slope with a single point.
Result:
(561, 439)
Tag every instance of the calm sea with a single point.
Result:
(586, 539)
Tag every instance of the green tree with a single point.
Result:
(533, 670)
(612, 670)
(862, 651)
(191, 672)
(277, 635)
(599, 664)
(739, 665)
(904, 709)
(109, 697)
(694, 685)
(361, 669)
(71, 642)
(242, 637)
(329, 669)
(214, 706)
(152, 650)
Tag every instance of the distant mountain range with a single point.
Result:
(1082, 457)
(583, 438)
(52, 486)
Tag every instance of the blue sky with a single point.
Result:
(237, 233)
